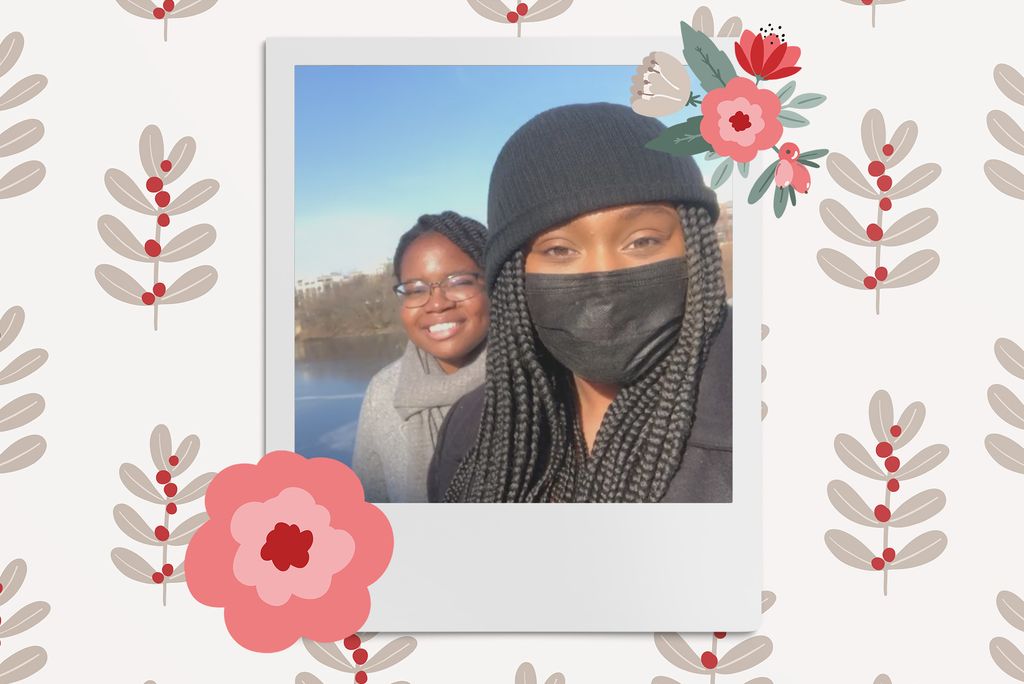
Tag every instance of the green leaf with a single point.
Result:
(721, 173)
(812, 154)
(763, 182)
(786, 91)
(792, 119)
(682, 140)
(809, 163)
(744, 168)
(712, 155)
(792, 195)
(710, 65)
(781, 200)
(807, 100)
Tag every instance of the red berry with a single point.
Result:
(874, 232)
(876, 562)
(889, 554)
(159, 13)
(165, 165)
(168, 569)
(885, 204)
(881, 273)
(168, 5)
(883, 450)
(360, 677)
(148, 298)
(152, 248)
(870, 283)
(521, 8)
(1, 588)
(882, 513)
(163, 220)
(867, 2)
(173, 460)
(172, 508)
(512, 17)
(154, 184)
(895, 431)
(893, 485)
(719, 635)
(876, 168)
(359, 655)
(163, 198)
(163, 477)
(887, 149)
(884, 183)
(352, 642)
(161, 533)
(892, 464)
(159, 289)
(170, 489)
(709, 660)
(158, 577)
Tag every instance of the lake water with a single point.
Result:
(331, 376)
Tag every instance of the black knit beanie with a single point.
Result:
(575, 159)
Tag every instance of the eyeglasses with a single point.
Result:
(457, 287)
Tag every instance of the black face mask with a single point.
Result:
(610, 326)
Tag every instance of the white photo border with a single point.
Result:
(540, 567)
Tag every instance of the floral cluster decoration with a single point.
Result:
(738, 119)
(289, 551)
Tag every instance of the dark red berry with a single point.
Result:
(168, 569)
(884, 183)
(148, 298)
(169, 5)
(885, 204)
(867, 2)
(359, 655)
(173, 460)
(163, 477)
(870, 283)
(352, 642)
(165, 165)
(172, 508)
(170, 489)
(883, 450)
(1, 588)
(874, 232)
(521, 8)
(512, 17)
(895, 431)
(159, 289)
(360, 677)
(881, 273)
(159, 13)
(889, 554)
(877, 563)
(163, 198)
(709, 660)
(893, 485)
(158, 577)
(882, 513)
(161, 533)
(719, 635)
(876, 168)
(163, 220)
(154, 184)
(892, 464)
(152, 248)
(887, 149)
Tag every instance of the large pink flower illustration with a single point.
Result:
(289, 551)
(740, 119)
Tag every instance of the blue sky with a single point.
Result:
(377, 146)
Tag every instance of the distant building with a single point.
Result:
(313, 287)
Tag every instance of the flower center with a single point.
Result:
(287, 546)
(740, 121)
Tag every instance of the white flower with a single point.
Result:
(661, 85)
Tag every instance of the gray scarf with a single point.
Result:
(425, 393)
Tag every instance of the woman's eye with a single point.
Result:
(644, 242)
(558, 252)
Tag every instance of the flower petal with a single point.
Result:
(774, 58)
(781, 73)
(672, 71)
(741, 59)
(757, 54)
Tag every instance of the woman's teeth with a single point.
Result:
(442, 330)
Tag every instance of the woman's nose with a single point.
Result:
(438, 301)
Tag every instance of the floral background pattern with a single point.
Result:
(109, 378)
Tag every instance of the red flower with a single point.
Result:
(766, 58)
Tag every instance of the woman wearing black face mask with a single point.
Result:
(609, 366)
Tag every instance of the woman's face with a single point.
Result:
(608, 240)
(447, 330)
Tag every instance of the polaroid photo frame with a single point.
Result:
(542, 567)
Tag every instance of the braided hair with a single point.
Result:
(530, 446)
(465, 233)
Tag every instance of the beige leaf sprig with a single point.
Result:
(526, 674)
(27, 661)
(24, 134)
(165, 10)
(882, 679)
(890, 435)
(331, 654)
(1006, 451)
(161, 172)
(520, 13)
(704, 22)
(169, 465)
(882, 156)
(1007, 656)
(748, 653)
(873, 4)
(23, 409)
(1005, 177)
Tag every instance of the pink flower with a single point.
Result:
(289, 551)
(740, 119)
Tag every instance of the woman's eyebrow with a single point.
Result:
(633, 212)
